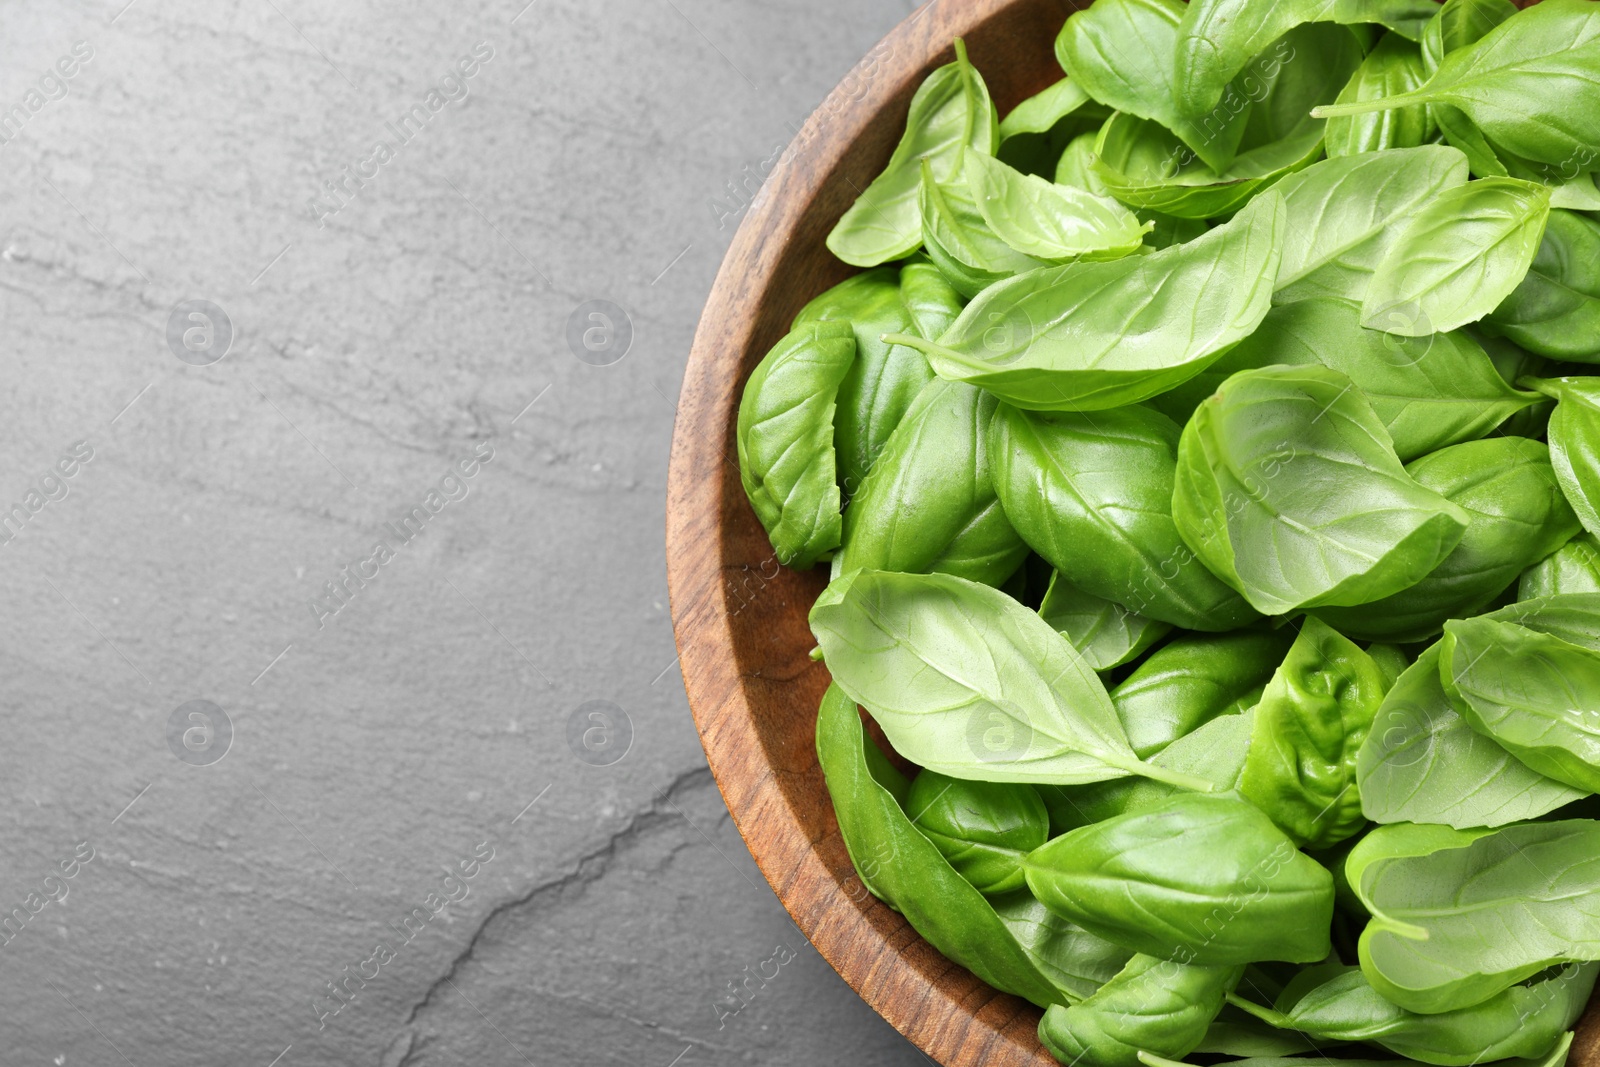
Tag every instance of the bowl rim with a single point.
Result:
(949, 1013)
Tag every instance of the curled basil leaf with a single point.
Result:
(929, 502)
(1516, 516)
(1092, 494)
(1087, 336)
(1458, 258)
(904, 869)
(1575, 444)
(1525, 1020)
(785, 440)
(1433, 892)
(1105, 633)
(1535, 694)
(1204, 879)
(982, 828)
(967, 682)
(1289, 489)
(1309, 725)
(1153, 1006)
(1555, 309)
(960, 243)
(1194, 680)
(950, 112)
(1047, 221)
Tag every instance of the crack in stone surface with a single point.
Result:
(589, 868)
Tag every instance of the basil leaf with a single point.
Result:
(884, 379)
(903, 868)
(1309, 724)
(1459, 257)
(1422, 763)
(785, 441)
(982, 828)
(929, 502)
(958, 240)
(1429, 392)
(1531, 692)
(1048, 221)
(950, 112)
(1459, 23)
(1348, 212)
(1153, 1005)
(1394, 66)
(1528, 84)
(1346, 526)
(967, 682)
(1193, 680)
(1575, 444)
(1040, 112)
(1036, 131)
(1517, 516)
(1105, 633)
(1202, 879)
(1524, 1020)
(1075, 960)
(1143, 165)
(1092, 494)
(1555, 310)
(1089, 336)
(1076, 165)
(1572, 568)
(1433, 892)
(1123, 52)
(1218, 38)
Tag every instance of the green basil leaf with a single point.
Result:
(959, 241)
(1524, 1020)
(967, 682)
(1153, 1005)
(903, 868)
(1036, 131)
(1429, 392)
(1201, 879)
(1575, 444)
(1309, 724)
(1517, 516)
(1533, 693)
(1076, 165)
(884, 379)
(1048, 221)
(1218, 38)
(1075, 960)
(1105, 633)
(1214, 751)
(1421, 762)
(1346, 526)
(1092, 494)
(1088, 336)
(1143, 165)
(1528, 84)
(1348, 213)
(1395, 66)
(1123, 52)
(1192, 681)
(982, 828)
(1555, 310)
(1572, 568)
(1040, 112)
(1434, 892)
(1459, 257)
(1459, 23)
(785, 441)
(950, 112)
(929, 502)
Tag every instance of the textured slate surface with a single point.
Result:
(385, 741)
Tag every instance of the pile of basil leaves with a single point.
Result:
(1208, 461)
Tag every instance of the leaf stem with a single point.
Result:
(1362, 107)
(1266, 1015)
(1191, 782)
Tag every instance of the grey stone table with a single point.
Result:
(342, 720)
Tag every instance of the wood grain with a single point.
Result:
(740, 619)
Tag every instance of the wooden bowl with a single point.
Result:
(740, 618)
